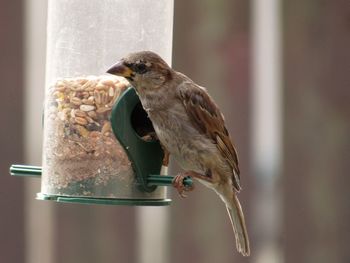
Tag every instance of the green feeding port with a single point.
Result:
(130, 125)
(145, 156)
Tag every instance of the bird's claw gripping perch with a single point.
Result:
(178, 183)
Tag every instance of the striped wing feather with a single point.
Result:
(208, 120)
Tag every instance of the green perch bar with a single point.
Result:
(35, 171)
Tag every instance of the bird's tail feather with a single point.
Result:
(235, 213)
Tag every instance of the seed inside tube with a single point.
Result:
(80, 113)
(79, 130)
(111, 92)
(85, 107)
(76, 101)
(81, 121)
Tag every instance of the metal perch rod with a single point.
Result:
(35, 171)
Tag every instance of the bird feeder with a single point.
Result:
(98, 146)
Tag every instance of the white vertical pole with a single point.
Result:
(153, 233)
(266, 127)
(39, 215)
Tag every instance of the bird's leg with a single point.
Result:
(166, 156)
(179, 179)
(179, 185)
(205, 177)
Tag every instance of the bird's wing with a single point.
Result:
(208, 119)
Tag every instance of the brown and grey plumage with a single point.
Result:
(191, 128)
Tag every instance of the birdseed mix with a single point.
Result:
(81, 155)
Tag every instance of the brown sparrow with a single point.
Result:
(191, 128)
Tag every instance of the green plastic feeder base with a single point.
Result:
(152, 180)
(104, 201)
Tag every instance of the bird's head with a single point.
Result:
(144, 70)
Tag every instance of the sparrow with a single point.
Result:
(191, 128)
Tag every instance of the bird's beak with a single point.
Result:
(120, 69)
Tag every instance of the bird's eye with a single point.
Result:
(141, 68)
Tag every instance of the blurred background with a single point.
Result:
(279, 71)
